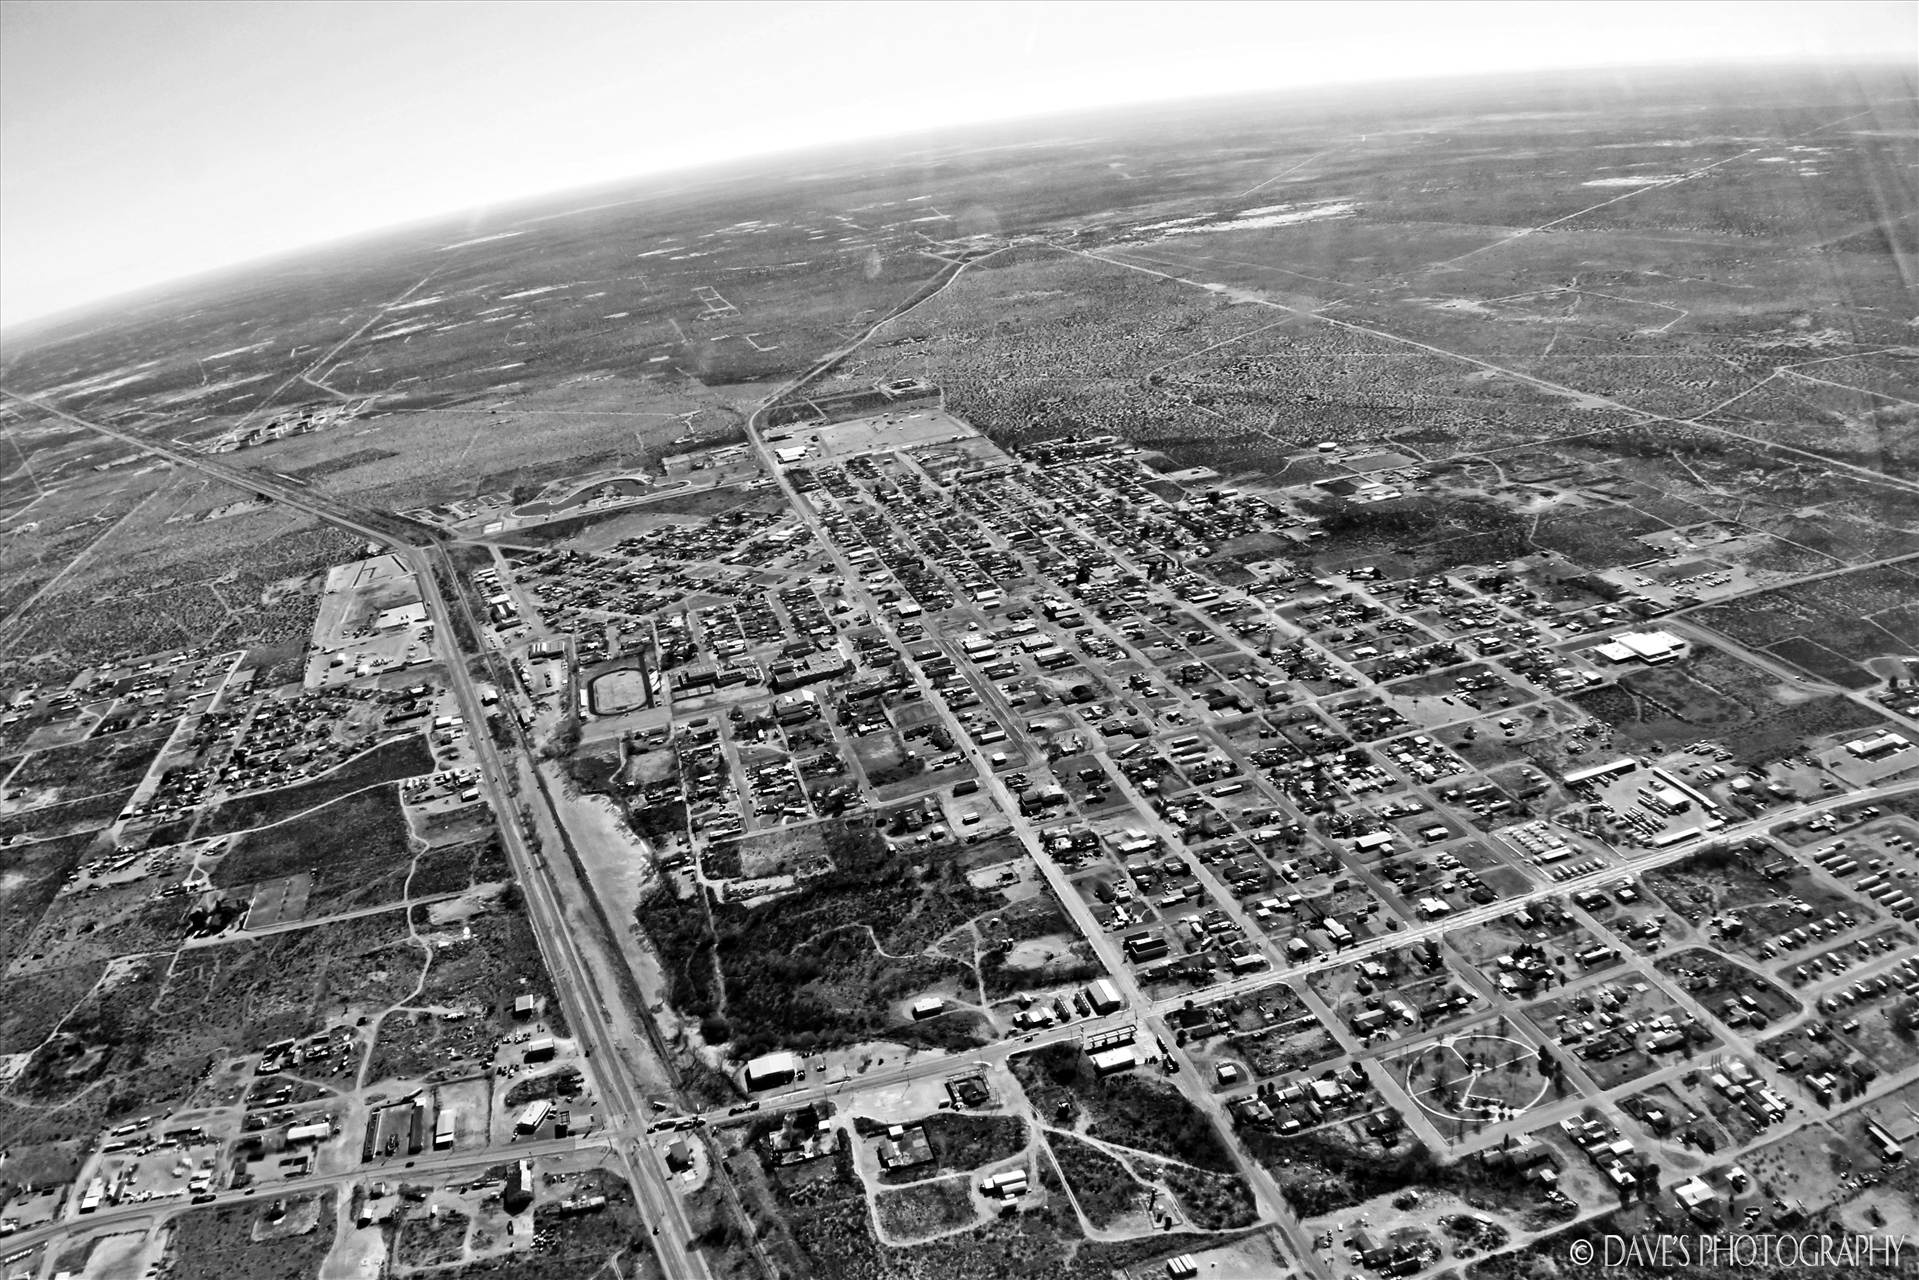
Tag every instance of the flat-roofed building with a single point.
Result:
(1878, 744)
(1643, 646)
(771, 1070)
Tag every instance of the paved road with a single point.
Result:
(560, 944)
(445, 1162)
(1069, 899)
(1594, 879)
(561, 947)
(1140, 1008)
(574, 975)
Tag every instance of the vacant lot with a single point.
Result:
(124, 920)
(284, 1237)
(389, 762)
(31, 1006)
(1720, 698)
(1838, 616)
(1104, 1188)
(962, 1143)
(480, 966)
(1132, 1110)
(31, 874)
(927, 1209)
(70, 817)
(94, 765)
(358, 850)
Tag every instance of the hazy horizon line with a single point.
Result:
(741, 166)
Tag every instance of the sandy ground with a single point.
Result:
(357, 1254)
(896, 1104)
(621, 871)
(124, 1256)
(1259, 1257)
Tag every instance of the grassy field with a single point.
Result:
(1838, 616)
(358, 850)
(31, 873)
(406, 757)
(925, 1209)
(286, 1238)
(111, 763)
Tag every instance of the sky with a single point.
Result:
(147, 141)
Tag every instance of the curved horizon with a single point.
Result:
(105, 201)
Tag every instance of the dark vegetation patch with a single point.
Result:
(554, 1084)
(31, 1006)
(31, 873)
(1427, 531)
(109, 1031)
(1131, 1110)
(1319, 1174)
(1839, 615)
(1103, 1187)
(72, 816)
(94, 765)
(961, 1143)
(456, 866)
(1714, 695)
(1212, 1201)
(343, 462)
(141, 1039)
(925, 1209)
(807, 971)
(492, 959)
(265, 599)
(1817, 660)
(1598, 539)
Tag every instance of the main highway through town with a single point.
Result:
(560, 944)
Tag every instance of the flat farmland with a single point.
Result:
(454, 314)
(428, 456)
